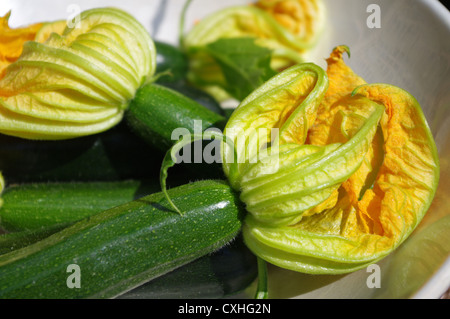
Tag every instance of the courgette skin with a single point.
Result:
(17, 240)
(37, 206)
(109, 156)
(224, 273)
(197, 95)
(126, 246)
(156, 111)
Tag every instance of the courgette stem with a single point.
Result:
(262, 291)
(182, 22)
(170, 158)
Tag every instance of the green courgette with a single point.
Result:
(224, 273)
(37, 206)
(126, 246)
(157, 111)
(17, 240)
(197, 95)
(109, 156)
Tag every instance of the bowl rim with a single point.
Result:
(439, 282)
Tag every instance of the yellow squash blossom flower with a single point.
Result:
(66, 81)
(12, 40)
(303, 18)
(356, 168)
(288, 28)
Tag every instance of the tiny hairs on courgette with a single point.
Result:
(126, 246)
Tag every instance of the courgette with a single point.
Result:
(224, 273)
(126, 246)
(17, 240)
(157, 111)
(197, 95)
(37, 206)
(109, 156)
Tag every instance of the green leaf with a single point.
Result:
(244, 64)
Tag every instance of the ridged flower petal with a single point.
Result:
(74, 81)
(351, 191)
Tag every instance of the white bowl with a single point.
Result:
(411, 49)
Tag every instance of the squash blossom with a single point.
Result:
(288, 28)
(60, 81)
(348, 171)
